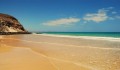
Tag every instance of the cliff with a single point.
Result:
(10, 24)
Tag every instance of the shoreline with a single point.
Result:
(82, 37)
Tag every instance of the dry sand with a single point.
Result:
(39, 52)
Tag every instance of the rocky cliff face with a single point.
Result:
(10, 24)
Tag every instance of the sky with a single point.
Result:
(65, 15)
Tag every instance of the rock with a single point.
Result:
(9, 24)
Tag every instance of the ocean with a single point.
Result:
(95, 34)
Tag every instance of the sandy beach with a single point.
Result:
(44, 52)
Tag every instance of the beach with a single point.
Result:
(57, 52)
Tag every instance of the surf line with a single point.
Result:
(83, 37)
(66, 45)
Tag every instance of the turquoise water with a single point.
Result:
(98, 34)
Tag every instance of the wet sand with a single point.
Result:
(40, 52)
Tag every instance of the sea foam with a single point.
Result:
(84, 37)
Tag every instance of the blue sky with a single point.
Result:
(65, 15)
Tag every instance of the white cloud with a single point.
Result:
(62, 21)
(114, 12)
(110, 8)
(100, 16)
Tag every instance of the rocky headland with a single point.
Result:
(10, 25)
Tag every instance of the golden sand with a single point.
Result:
(32, 52)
